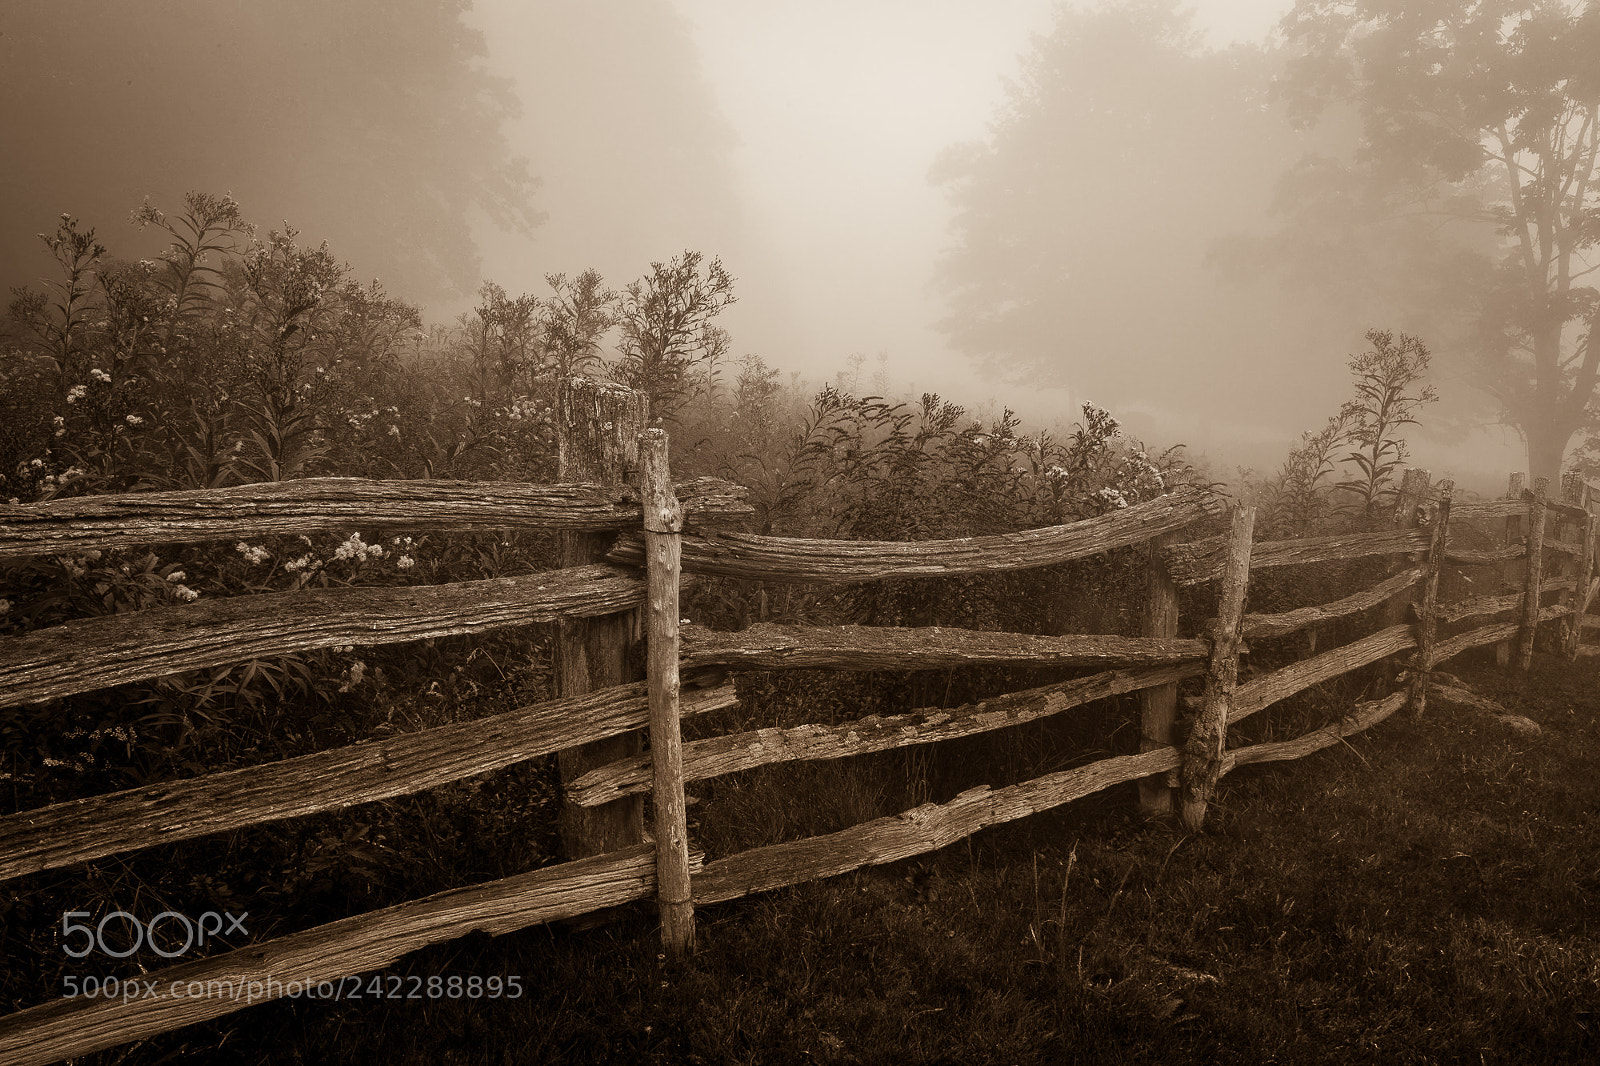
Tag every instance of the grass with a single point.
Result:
(1427, 893)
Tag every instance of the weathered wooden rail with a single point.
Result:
(674, 532)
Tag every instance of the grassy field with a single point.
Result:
(1427, 893)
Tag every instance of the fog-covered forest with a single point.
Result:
(1189, 218)
(899, 270)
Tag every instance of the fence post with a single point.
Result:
(1535, 576)
(1427, 609)
(598, 425)
(1208, 737)
(1158, 706)
(1575, 492)
(663, 547)
(1413, 492)
(1508, 569)
(1586, 567)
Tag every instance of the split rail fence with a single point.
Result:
(672, 533)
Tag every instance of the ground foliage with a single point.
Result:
(235, 358)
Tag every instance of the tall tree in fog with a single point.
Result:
(366, 122)
(1084, 222)
(1480, 153)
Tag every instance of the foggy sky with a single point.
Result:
(794, 139)
(837, 109)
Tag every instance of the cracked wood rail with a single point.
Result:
(93, 653)
(335, 503)
(727, 754)
(746, 555)
(766, 646)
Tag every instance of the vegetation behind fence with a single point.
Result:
(676, 531)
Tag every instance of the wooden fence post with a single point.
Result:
(1508, 569)
(1535, 576)
(663, 547)
(1581, 592)
(1427, 608)
(599, 426)
(1158, 706)
(1412, 494)
(1204, 752)
(1574, 491)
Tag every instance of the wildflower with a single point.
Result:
(177, 575)
(37, 463)
(100, 375)
(58, 421)
(254, 556)
(134, 420)
(186, 594)
(405, 562)
(76, 393)
(394, 431)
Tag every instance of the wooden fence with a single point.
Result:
(672, 533)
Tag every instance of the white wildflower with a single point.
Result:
(134, 420)
(177, 575)
(100, 375)
(405, 562)
(76, 393)
(186, 594)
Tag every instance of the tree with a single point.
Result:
(1480, 147)
(1083, 223)
(371, 123)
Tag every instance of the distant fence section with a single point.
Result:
(665, 534)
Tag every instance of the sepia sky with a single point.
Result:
(833, 113)
(794, 139)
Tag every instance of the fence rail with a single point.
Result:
(651, 518)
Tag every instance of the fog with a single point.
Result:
(817, 147)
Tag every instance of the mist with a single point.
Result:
(841, 158)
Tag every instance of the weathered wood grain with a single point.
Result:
(1427, 604)
(1501, 508)
(94, 653)
(768, 647)
(727, 754)
(1158, 704)
(1263, 692)
(1362, 716)
(1191, 564)
(1486, 557)
(1484, 606)
(760, 558)
(1512, 534)
(927, 828)
(1472, 638)
(80, 1025)
(1208, 733)
(1266, 626)
(1572, 548)
(312, 505)
(598, 443)
(663, 523)
(1538, 508)
(91, 828)
(1564, 508)
(1471, 701)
